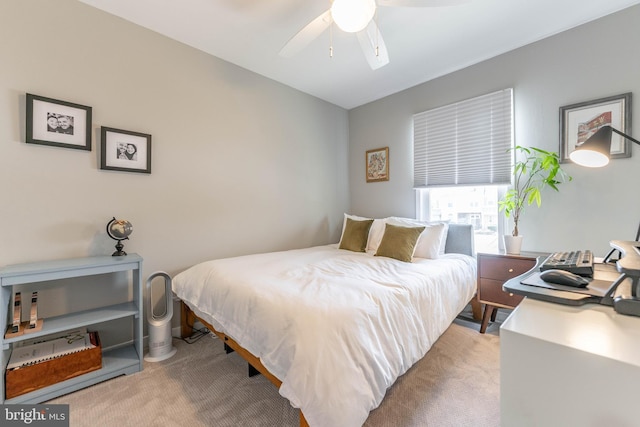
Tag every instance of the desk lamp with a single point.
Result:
(595, 152)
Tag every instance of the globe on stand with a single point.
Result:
(119, 229)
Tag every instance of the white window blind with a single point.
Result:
(465, 143)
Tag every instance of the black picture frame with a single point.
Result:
(58, 123)
(113, 157)
(579, 121)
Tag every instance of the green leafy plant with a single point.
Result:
(534, 170)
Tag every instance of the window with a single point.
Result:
(462, 163)
(477, 205)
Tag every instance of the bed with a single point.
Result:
(333, 328)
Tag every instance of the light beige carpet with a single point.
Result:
(455, 384)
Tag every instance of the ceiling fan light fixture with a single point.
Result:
(352, 16)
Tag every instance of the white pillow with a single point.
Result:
(375, 235)
(432, 240)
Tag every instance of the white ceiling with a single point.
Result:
(423, 43)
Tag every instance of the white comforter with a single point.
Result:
(336, 327)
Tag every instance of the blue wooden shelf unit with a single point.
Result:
(123, 359)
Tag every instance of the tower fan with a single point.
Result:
(160, 341)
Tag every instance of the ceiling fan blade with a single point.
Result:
(373, 46)
(307, 35)
(421, 3)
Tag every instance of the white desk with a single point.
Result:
(569, 366)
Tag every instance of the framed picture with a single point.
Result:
(123, 150)
(58, 123)
(378, 165)
(579, 121)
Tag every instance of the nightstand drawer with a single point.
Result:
(502, 268)
(493, 271)
(491, 291)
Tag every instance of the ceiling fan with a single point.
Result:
(356, 16)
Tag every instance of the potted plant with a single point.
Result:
(533, 170)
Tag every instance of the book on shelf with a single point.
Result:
(35, 375)
(38, 352)
(17, 313)
(50, 337)
(33, 313)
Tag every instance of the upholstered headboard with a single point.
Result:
(460, 239)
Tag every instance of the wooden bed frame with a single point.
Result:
(459, 240)
(188, 319)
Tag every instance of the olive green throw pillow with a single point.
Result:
(399, 242)
(355, 235)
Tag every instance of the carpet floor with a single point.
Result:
(456, 384)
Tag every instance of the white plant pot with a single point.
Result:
(512, 244)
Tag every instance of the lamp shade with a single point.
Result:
(594, 152)
(352, 15)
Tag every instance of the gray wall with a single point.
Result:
(596, 60)
(241, 164)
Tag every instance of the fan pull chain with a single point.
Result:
(331, 40)
(377, 33)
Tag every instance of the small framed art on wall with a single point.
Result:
(124, 150)
(377, 164)
(58, 123)
(579, 121)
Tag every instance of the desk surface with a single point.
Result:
(604, 276)
(591, 328)
(564, 365)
